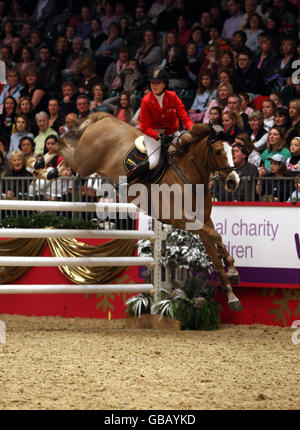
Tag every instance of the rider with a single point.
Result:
(159, 114)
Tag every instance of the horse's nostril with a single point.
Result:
(230, 184)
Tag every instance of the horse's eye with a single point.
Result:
(218, 151)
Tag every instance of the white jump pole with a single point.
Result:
(75, 289)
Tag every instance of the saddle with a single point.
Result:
(138, 153)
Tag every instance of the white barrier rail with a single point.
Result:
(75, 289)
(87, 234)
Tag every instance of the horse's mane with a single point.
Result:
(197, 133)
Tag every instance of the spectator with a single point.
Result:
(216, 15)
(167, 19)
(215, 116)
(113, 76)
(273, 30)
(7, 119)
(27, 145)
(250, 7)
(82, 106)
(232, 124)
(84, 26)
(16, 49)
(197, 38)
(283, 66)
(42, 120)
(293, 163)
(287, 18)
(193, 64)
(277, 190)
(275, 145)
(87, 68)
(34, 90)
(96, 37)
(97, 97)
(9, 32)
(17, 169)
(108, 50)
(56, 118)
(36, 43)
(132, 80)
(227, 60)
(63, 186)
(174, 63)
(25, 108)
(246, 171)
(259, 135)
(294, 112)
(225, 74)
(68, 100)
(182, 30)
(149, 54)
(239, 40)
(224, 90)
(13, 87)
(215, 37)
(245, 105)
(234, 103)
(26, 62)
(70, 33)
(247, 78)
(22, 128)
(211, 64)
(137, 30)
(136, 117)
(6, 57)
(254, 27)
(121, 12)
(254, 157)
(123, 109)
(61, 52)
(268, 111)
(264, 60)
(277, 99)
(232, 24)
(125, 33)
(48, 71)
(295, 197)
(108, 16)
(70, 123)
(71, 72)
(205, 93)
(26, 33)
(50, 141)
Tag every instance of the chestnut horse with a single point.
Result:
(100, 143)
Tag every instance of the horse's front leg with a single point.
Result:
(209, 242)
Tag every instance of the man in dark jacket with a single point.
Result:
(247, 77)
(49, 71)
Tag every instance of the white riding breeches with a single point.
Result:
(153, 148)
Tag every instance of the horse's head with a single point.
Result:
(219, 158)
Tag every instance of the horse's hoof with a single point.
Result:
(233, 279)
(53, 174)
(39, 164)
(235, 306)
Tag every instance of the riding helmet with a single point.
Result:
(159, 75)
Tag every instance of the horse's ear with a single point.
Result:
(212, 131)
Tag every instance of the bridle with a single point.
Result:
(210, 141)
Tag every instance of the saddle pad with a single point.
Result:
(134, 157)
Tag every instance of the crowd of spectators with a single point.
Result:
(233, 63)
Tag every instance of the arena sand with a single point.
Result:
(57, 363)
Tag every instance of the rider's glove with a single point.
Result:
(165, 139)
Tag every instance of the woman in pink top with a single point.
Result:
(123, 110)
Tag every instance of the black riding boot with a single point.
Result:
(138, 171)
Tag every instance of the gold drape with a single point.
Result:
(66, 248)
(18, 248)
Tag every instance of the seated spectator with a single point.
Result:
(276, 97)
(13, 87)
(247, 78)
(42, 120)
(215, 37)
(275, 145)
(16, 49)
(182, 30)
(70, 33)
(192, 64)
(68, 98)
(265, 58)
(232, 24)
(167, 19)
(48, 71)
(17, 169)
(27, 146)
(108, 16)
(108, 50)
(136, 117)
(149, 54)
(25, 32)
(88, 79)
(22, 128)
(282, 118)
(224, 90)
(137, 30)
(197, 38)
(61, 52)
(254, 27)
(69, 125)
(5, 55)
(34, 90)
(282, 68)
(245, 104)
(215, 116)
(294, 113)
(254, 157)
(250, 7)
(8, 32)
(113, 82)
(205, 23)
(295, 197)
(211, 64)
(205, 93)
(276, 190)
(82, 106)
(273, 30)
(227, 60)
(268, 111)
(35, 43)
(97, 97)
(174, 63)
(50, 141)
(293, 163)
(96, 37)
(225, 74)
(84, 26)
(56, 118)
(123, 109)
(287, 18)
(232, 124)
(71, 72)
(17, 14)
(239, 40)
(259, 135)
(234, 103)
(7, 120)
(132, 80)
(125, 34)
(25, 108)
(27, 62)
(247, 173)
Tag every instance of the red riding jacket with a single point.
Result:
(153, 117)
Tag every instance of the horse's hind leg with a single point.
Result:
(213, 253)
